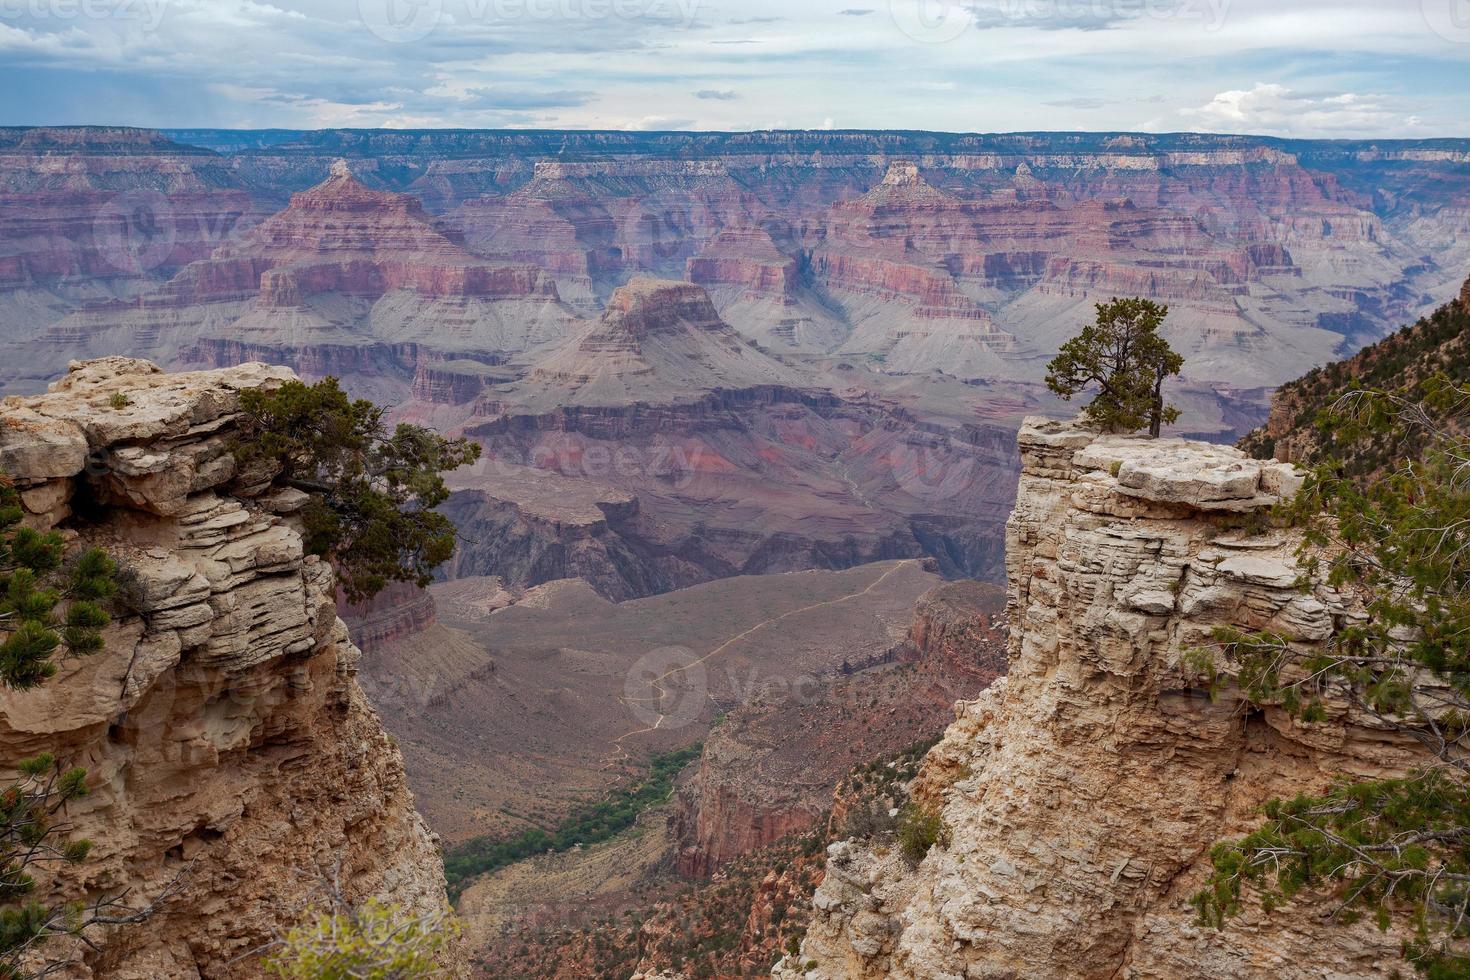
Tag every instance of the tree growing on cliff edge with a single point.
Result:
(1124, 356)
(373, 492)
(1394, 850)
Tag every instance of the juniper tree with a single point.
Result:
(373, 491)
(1121, 353)
(371, 940)
(1396, 850)
(374, 941)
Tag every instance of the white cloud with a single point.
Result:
(1274, 110)
(657, 124)
(503, 63)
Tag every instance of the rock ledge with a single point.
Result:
(229, 748)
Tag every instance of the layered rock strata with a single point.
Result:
(401, 610)
(1084, 791)
(346, 280)
(236, 770)
(769, 769)
(974, 255)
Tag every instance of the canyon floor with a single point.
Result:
(510, 718)
(514, 711)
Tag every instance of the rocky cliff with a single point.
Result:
(233, 762)
(1439, 344)
(401, 610)
(1084, 791)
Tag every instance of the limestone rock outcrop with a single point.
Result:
(1084, 791)
(235, 766)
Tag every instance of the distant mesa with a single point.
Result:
(346, 280)
(658, 339)
(904, 184)
(648, 306)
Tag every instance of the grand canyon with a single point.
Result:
(770, 485)
(718, 355)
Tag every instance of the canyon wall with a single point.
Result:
(399, 611)
(969, 254)
(234, 764)
(769, 768)
(1084, 791)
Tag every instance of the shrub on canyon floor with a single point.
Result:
(1394, 850)
(374, 941)
(589, 825)
(1121, 353)
(373, 491)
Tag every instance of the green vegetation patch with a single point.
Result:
(590, 825)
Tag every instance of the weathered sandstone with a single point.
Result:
(1084, 791)
(232, 757)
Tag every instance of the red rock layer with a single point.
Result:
(401, 610)
(103, 236)
(454, 382)
(344, 237)
(745, 256)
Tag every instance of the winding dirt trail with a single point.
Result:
(620, 754)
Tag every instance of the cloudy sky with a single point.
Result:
(1306, 68)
